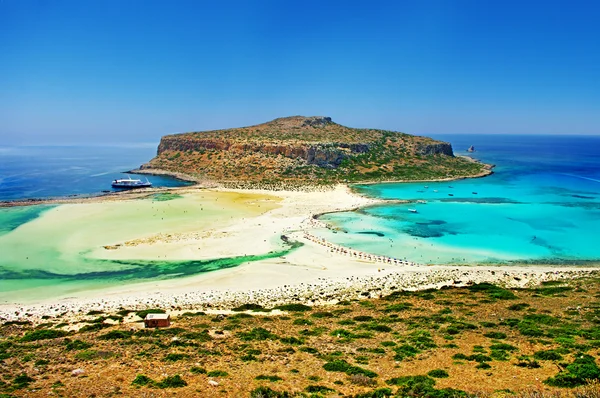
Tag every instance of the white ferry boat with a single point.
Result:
(130, 183)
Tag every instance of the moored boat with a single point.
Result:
(130, 183)
(413, 210)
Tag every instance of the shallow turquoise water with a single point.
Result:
(541, 205)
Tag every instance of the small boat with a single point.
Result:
(435, 190)
(421, 201)
(413, 210)
(130, 183)
(450, 194)
(426, 186)
(474, 193)
(450, 186)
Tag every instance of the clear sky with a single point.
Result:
(103, 71)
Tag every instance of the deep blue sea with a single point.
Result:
(56, 171)
(541, 205)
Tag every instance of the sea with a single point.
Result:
(42, 172)
(541, 205)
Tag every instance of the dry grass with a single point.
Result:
(421, 332)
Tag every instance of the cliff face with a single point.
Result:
(320, 154)
(312, 150)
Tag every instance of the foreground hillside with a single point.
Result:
(311, 150)
(479, 341)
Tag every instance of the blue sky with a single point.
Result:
(132, 71)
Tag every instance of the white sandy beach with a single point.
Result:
(252, 222)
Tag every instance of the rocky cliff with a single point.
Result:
(307, 150)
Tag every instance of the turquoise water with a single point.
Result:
(542, 204)
(47, 251)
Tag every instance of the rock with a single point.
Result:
(77, 372)
(213, 383)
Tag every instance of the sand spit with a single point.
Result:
(316, 273)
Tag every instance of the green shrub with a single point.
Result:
(363, 318)
(267, 377)
(541, 319)
(173, 357)
(294, 307)
(94, 327)
(116, 334)
(322, 314)
(197, 370)
(378, 393)
(503, 347)
(495, 335)
(142, 380)
(171, 382)
(248, 307)
(547, 355)
(77, 345)
(291, 340)
(43, 334)
(493, 291)
(217, 373)
(518, 307)
(22, 381)
(318, 389)
(142, 314)
(438, 373)
(266, 392)
(581, 371)
(302, 322)
(527, 328)
(340, 365)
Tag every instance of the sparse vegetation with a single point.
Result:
(350, 349)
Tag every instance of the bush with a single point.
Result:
(294, 307)
(379, 393)
(249, 307)
(171, 382)
(142, 380)
(116, 334)
(267, 377)
(217, 373)
(503, 347)
(77, 345)
(172, 357)
(266, 392)
(94, 327)
(342, 366)
(493, 291)
(302, 322)
(518, 307)
(43, 334)
(318, 389)
(22, 381)
(142, 314)
(582, 370)
(438, 373)
(495, 335)
(547, 355)
(197, 370)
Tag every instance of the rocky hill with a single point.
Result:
(307, 150)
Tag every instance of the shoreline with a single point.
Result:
(312, 274)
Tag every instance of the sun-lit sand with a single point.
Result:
(217, 223)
